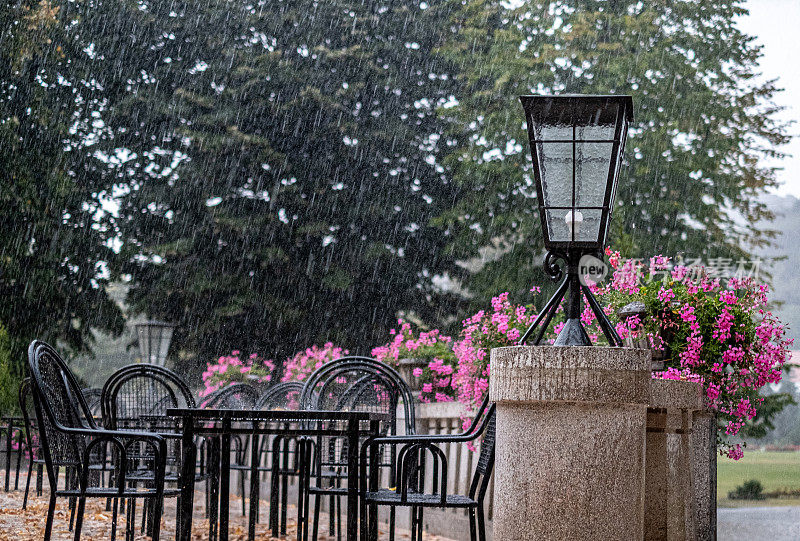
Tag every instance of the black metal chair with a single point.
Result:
(71, 438)
(357, 384)
(234, 396)
(32, 441)
(137, 397)
(94, 397)
(281, 396)
(411, 473)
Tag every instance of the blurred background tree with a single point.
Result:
(55, 238)
(694, 159)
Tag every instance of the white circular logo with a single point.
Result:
(591, 270)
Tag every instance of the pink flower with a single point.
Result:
(417, 372)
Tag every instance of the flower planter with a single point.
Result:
(406, 369)
(642, 342)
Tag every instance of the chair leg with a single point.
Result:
(242, 481)
(27, 484)
(79, 517)
(156, 510)
(130, 528)
(315, 529)
(392, 513)
(71, 481)
(144, 516)
(48, 528)
(420, 511)
(19, 462)
(114, 515)
(472, 524)
(284, 502)
(413, 524)
(481, 524)
(39, 479)
(338, 518)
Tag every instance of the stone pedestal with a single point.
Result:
(571, 425)
(670, 497)
(704, 469)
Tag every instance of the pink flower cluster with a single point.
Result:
(720, 335)
(503, 326)
(431, 346)
(303, 363)
(232, 368)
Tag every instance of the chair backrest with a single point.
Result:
(28, 416)
(142, 389)
(359, 384)
(281, 396)
(93, 397)
(235, 396)
(59, 405)
(485, 465)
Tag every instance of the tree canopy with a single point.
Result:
(55, 238)
(291, 173)
(693, 170)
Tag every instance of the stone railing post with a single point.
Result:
(571, 425)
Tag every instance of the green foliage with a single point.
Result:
(692, 156)
(750, 490)
(9, 380)
(293, 173)
(282, 167)
(53, 239)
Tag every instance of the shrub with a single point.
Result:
(750, 490)
(720, 334)
(436, 349)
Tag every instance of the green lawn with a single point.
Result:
(773, 469)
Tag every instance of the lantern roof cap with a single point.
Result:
(623, 99)
(155, 323)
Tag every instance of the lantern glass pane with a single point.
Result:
(588, 229)
(602, 132)
(556, 171)
(592, 161)
(551, 132)
(557, 228)
(144, 342)
(166, 338)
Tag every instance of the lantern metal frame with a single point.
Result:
(147, 327)
(565, 256)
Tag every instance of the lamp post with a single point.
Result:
(154, 340)
(577, 144)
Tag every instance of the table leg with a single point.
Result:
(213, 493)
(188, 463)
(225, 481)
(255, 484)
(352, 480)
(8, 452)
(274, 496)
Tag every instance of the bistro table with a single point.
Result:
(223, 423)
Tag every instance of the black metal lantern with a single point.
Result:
(154, 340)
(577, 143)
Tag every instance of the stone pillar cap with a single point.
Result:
(570, 374)
(676, 394)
